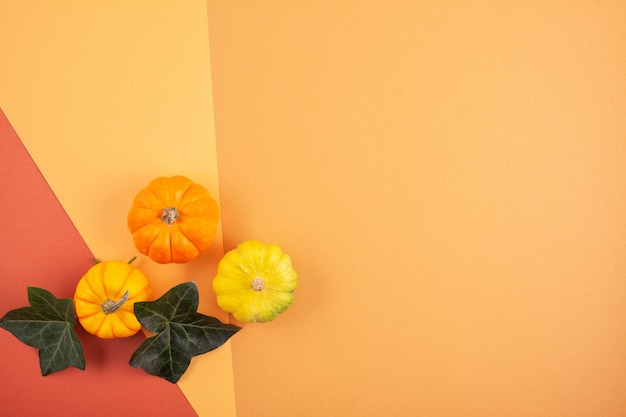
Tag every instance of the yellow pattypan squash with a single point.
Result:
(105, 298)
(255, 282)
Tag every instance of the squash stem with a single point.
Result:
(110, 306)
(169, 215)
(258, 284)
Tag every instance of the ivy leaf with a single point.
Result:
(48, 324)
(182, 333)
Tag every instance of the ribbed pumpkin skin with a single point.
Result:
(109, 281)
(255, 282)
(188, 235)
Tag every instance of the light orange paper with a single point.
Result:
(450, 181)
(107, 97)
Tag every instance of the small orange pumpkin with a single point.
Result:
(105, 299)
(173, 219)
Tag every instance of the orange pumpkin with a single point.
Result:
(105, 299)
(173, 220)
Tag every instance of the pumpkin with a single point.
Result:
(255, 282)
(105, 298)
(173, 219)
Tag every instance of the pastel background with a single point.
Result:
(449, 179)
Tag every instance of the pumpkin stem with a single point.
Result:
(110, 306)
(258, 284)
(131, 260)
(169, 215)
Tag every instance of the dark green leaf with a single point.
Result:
(182, 333)
(48, 324)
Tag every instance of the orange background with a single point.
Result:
(449, 180)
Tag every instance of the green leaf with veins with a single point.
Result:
(48, 324)
(182, 333)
